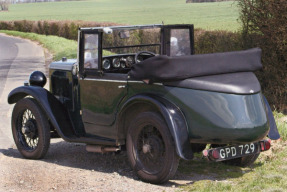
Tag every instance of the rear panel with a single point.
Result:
(221, 117)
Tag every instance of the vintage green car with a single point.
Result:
(142, 89)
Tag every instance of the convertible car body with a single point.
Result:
(141, 88)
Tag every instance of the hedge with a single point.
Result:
(66, 29)
(264, 25)
(272, 77)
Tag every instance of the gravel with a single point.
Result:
(68, 167)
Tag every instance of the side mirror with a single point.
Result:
(108, 30)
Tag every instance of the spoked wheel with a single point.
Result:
(30, 129)
(151, 149)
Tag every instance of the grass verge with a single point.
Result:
(281, 120)
(268, 173)
(58, 46)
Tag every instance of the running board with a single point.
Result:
(94, 140)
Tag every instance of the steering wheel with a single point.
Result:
(143, 52)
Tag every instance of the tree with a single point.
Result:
(264, 25)
(4, 5)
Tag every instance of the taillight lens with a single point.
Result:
(265, 145)
(211, 154)
(215, 154)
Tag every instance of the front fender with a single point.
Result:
(51, 106)
(173, 117)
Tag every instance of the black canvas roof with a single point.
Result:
(163, 68)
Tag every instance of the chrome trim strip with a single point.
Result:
(119, 81)
(144, 82)
(62, 66)
(124, 27)
(105, 80)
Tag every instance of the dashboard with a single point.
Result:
(121, 62)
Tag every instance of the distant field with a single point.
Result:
(209, 16)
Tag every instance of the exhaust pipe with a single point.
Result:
(101, 149)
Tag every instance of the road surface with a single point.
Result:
(18, 58)
(67, 166)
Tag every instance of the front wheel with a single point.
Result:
(30, 129)
(150, 148)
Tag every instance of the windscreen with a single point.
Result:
(131, 41)
(179, 42)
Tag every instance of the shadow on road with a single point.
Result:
(75, 156)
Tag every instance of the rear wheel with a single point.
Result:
(30, 129)
(151, 150)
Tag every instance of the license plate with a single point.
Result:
(235, 151)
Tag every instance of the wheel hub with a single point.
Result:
(146, 148)
(30, 129)
(152, 147)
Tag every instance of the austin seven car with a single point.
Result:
(143, 90)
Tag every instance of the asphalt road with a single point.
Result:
(67, 166)
(18, 58)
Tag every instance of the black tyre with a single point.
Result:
(242, 161)
(151, 149)
(30, 128)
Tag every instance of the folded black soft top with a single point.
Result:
(163, 68)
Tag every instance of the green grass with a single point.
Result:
(268, 173)
(58, 46)
(210, 16)
(281, 124)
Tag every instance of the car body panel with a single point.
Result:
(214, 117)
(57, 114)
(173, 116)
(100, 97)
(222, 118)
(273, 132)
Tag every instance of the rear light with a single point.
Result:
(211, 154)
(215, 154)
(205, 153)
(265, 145)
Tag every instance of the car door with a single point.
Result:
(100, 93)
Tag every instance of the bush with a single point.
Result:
(264, 25)
(217, 41)
(204, 1)
(4, 5)
(272, 40)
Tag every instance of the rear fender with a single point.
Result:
(173, 117)
(273, 132)
(51, 106)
